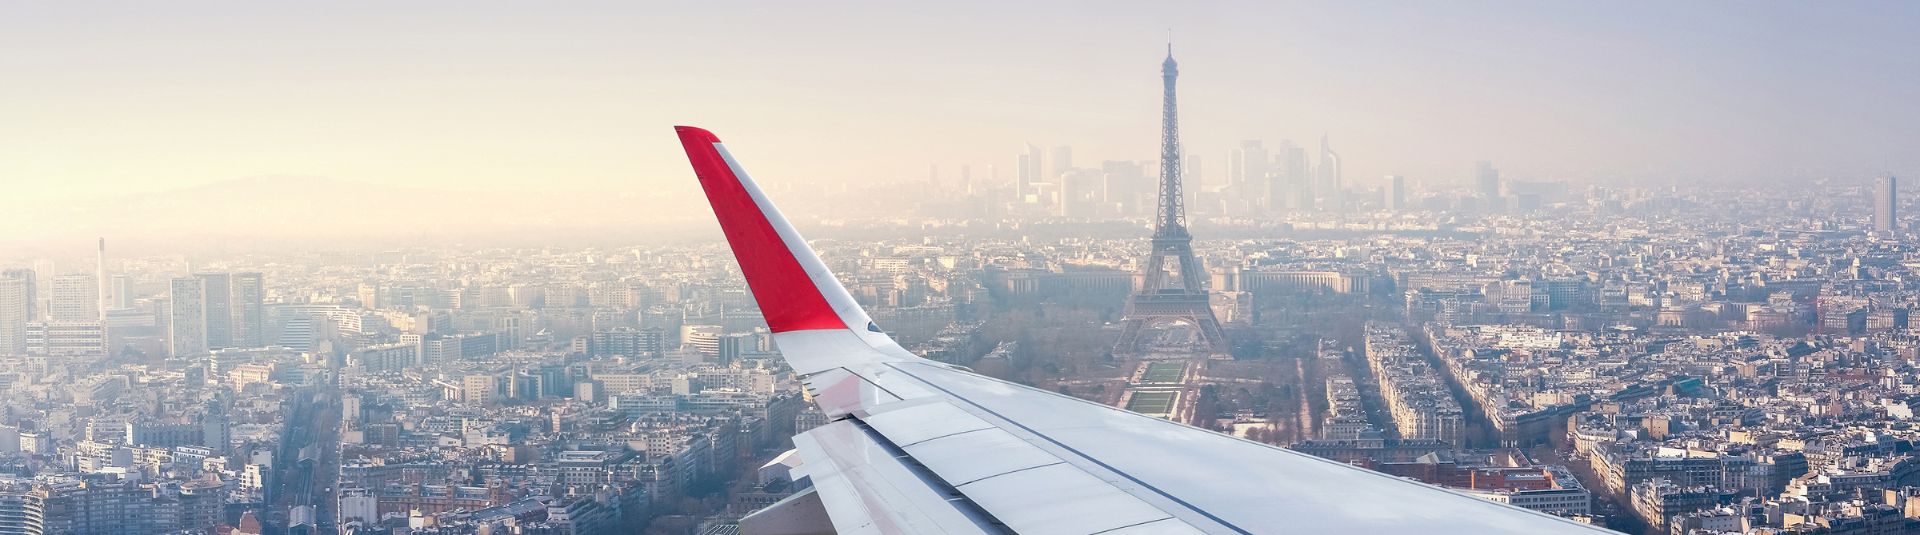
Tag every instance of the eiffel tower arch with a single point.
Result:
(1171, 289)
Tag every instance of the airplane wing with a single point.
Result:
(918, 446)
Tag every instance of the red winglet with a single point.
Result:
(788, 298)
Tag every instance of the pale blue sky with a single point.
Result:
(101, 98)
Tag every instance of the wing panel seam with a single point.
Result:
(955, 433)
(1143, 484)
(1013, 471)
(863, 379)
(922, 470)
(1110, 530)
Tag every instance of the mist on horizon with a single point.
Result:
(1117, 267)
(439, 119)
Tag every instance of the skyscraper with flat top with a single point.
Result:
(249, 314)
(1030, 165)
(217, 306)
(1396, 194)
(15, 294)
(1329, 187)
(1486, 179)
(32, 282)
(122, 292)
(76, 297)
(1886, 199)
(187, 317)
(1062, 162)
(100, 282)
(1299, 183)
(1191, 167)
(1250, 161)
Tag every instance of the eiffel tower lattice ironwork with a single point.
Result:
(1179, 296)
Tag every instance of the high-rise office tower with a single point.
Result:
(1298, 182)
(733, 346)
(32, 282)
(1190, 168)
(966, 179)
(1396, 194)
(1126, 185)
(1082, 192)
(1020, 181)
(1329, 185)
(1030, 166)
(100, 279)
(1486, 179)
(187, 316)
(933, 177)
(1062, 162)
(76, 297)
(15, 294)
(1234, 174)
(45, 269)
(1065, 203)
(217, 305)
(122, 292)
(249, 310)
(1252, 166)
(1190, 177)
(1886, 202)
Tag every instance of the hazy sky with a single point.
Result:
(100, 99)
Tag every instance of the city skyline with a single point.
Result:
(1633, 315)
(1481, 267)
(481, 103)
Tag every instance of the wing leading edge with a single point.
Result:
(923, 447)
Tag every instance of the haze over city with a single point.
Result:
(107, 103)
(456, 268)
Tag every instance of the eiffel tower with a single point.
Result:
(1165, 297)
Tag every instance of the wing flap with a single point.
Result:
(908, 426)
(1060, 499)
(1022, 485)
(867, 486)
(839, 392)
